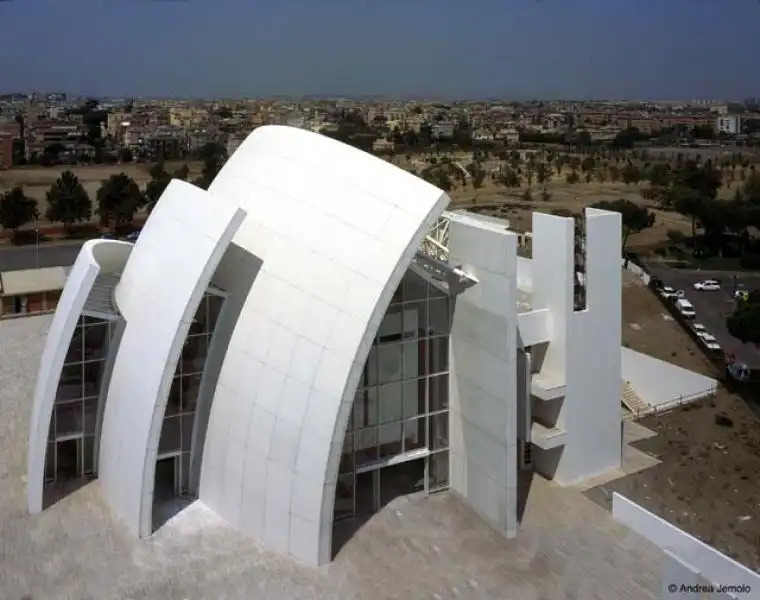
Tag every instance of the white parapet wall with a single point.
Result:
(713, 566)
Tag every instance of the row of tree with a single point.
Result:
(118, 199)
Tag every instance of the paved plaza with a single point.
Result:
(434, 548)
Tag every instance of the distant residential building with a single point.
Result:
(510, 136)
(482, 135)
(165, 145)
(601, 134)
(442, 130)
(49, 133)
(383, 144)
(30, 291)
(233, 143)
(729, 124)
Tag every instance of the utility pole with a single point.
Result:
(37, 240)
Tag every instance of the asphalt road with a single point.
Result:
(17, 258)
(712, 308)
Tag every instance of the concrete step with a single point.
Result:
(633, 403)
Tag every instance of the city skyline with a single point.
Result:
(685, 49)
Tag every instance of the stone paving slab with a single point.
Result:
(430, 548)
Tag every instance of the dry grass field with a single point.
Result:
(574, 197)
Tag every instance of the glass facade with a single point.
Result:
(176, 438)
(397, 437)
(71, 441)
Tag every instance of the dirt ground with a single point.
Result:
(707, 480)
(646, 329)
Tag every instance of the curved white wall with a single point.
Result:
(96, 257)
(336, 229)
(158, 295)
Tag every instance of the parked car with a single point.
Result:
(699, 328)
(670, 293)
(710, 342)
(686, 308)
(108, 236)
(132, 237)
(708, 285)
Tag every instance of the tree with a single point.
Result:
(212, 164)
(635, 218)
(543, 173)
(559, 163)
(17, 209)
(660, 175)
(588, 164)
(182, 173)
(159, 179)
(119, 198)
(68, 201)
(744, 322)
(630, 174)
(478, 178)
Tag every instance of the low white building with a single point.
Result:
(728, 124)
(315, 335)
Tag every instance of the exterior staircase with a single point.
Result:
(637, 407)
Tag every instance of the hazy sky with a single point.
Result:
(664, 49)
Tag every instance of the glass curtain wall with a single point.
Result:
(71, 440)
(402, 403)
(177, 429)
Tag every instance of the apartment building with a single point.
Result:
(728, 124)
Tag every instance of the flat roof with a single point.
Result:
(482, 221)
(431, 548)
(29, 281)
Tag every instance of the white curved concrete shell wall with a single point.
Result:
(336, 229)
(97, 257)
(158, 295)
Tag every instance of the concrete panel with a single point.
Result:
(714, 566)
(335, 229)
(678, 578)
(96, 257)
(590, 413)
(484, 395)
(534, 327)
(158, 294)
(553, 268)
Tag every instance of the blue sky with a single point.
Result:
(663, 49)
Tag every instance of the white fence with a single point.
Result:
(631, 267)
(715, 567)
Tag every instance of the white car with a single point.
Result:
(699, 329)
(669, 292)
(710, 342)
(686, 308)
(708, 285)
